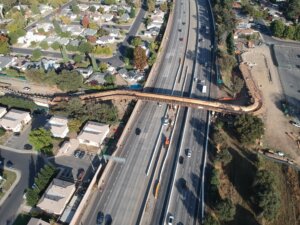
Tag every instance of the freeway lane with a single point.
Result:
(28, 165)
(125, 188)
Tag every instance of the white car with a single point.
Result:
(26, 88)
(295, 124)
(170, 220)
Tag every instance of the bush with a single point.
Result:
(224, 156)
(18, 102)
(41, 140)
(2, 131)
(102, 50)
(210, 220)
(36, 54)
(12, 72)
(226, 210)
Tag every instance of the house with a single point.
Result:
(2, 111)
(31, 37)
(123, 73)
(63, 41)
(35, 221)
(58, 126)
(83, 7)
(113, 32)
(105, 40)
(57, 196)
(14, 120)
(107, 17)
(45, 9)
(93, 133)
(73, 28)
(89, 32)
(6, 62)
(50, 40)
(125, 17)
(98, 78)
(244, 32)
(153, 24)
(106, 8)
(74, 43)
(157, 19)
(45, 26)
(85, 72)
(49, 64)
(154, 31)
(147, 33)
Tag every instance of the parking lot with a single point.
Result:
(288, 59)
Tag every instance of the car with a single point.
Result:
(180, 39)
(181, 159)
(183, 184)
(200, 39)
(76, 153)
(179, 30)
(26, 88)
(295, 124)
(188, 152)
(137, 131)
(9, 164)
(81, 154)
(27, 147)
(17, 134)
(170, 219)
(108, 220)
(166, 121)
(100, 218)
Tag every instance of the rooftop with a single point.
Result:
(94, 132)
(35, 221)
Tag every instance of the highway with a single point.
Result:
(28, 165)
(124, 191)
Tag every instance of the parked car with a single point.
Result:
(9, 164)
(79, 154)
(100, 218)
(181, 159)
(26, 88)
(170, 219)
(27, 147)
(295, 124)
(188, 152)
(137, 131)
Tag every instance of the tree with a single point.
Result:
(78, 58)
(136, 41)
(85, 21)
(152, 59)
(101, 10)
(41, 140)
(277, 28)
(103, 67)
(110, 79)
(85, 47)
(210, 220)
(109, 2)
(75, 9)
(248, 128)
(92, 8)
(153, 46)
(102, 32)
(44, 45)
(293, 10)
(93, 25)
(4, 46)
(55, 45)
(147, 21)
(226, 210)
(14, 36)
(140, 58)
(289, 32)
(237, 85)
(18, 102)
(36, 54)
(164, 6)
(69, 80)
(150, 5)
(230, 44)
(65, 19)
(32, 197)
(102, 50)
(132, 12)
(57, 27)
(74, 125)
(224, 156)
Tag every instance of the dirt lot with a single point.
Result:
(267, 78)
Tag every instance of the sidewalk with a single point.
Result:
(6, 195)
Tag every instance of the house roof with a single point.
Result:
(13, 118)
(94, 132)
(56, 196)
(89, 32)
(105, 38)
(35, 221)
(124, 17)
(122, 71)
(99, 77)
(2, 110)
(5, 61)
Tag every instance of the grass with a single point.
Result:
(22, 219)
(10, 178)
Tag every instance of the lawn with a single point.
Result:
(10, 178)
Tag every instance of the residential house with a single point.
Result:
(6, 62)
(57, 196)
(45, 26)
(83, 7)
(114, 8)
(45, 9)
(105, 40)
(113, 32)
(125, 17)
(107, 17)
(153, 24)
(63, 41)
(97, 78)
(35, 221)
(106, 8)
(157, 19)
(244, 32)
(73, 28)
(85, 72)
(74, 43)
(49, 64)
(58, 126)
(2, 111)
(147, 33)
(50, 40)
(135, 75)
(14, 120)
(31, 37)
(89, 32)
(123, 73)
(93, 133)
(126, 8)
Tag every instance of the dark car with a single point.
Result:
(108, 220)
(17, 134)
(9, 164)
(81, 154)
(181, 159)
(180, 39)
(76, 153)
(100, 218)
(27, 147)
(137, 131)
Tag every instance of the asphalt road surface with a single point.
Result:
(125, 189)
(28, 165)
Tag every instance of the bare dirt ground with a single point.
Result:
(265, 74)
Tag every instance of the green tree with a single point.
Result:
(44, 45)
(55, 45)
(237, 85)
(136, 41)
(92, 8)
(4, 46)
(214, 181)
(13, 36)
(36, 54)
(249, 128)
(101, 10)
(78, 58)
(150, 5)
(153, 46)
(152, 59)
(85, 47)
(75, 9)
(69, 80)
(32, 197)
(164, 6)
(210, 220)
(74, 125)
(102, 32)
(110, 79)
(109, 2)
(57, 27)
(132, 12)
(277, 28)
(230, 44)
(224, 156)
(293, 9)
(41, 140)
(18, 102)
(226, 210)
(140, 58)
(289, 32)
(147, 21)
(103, 67)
